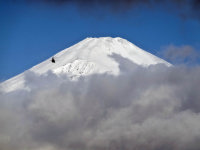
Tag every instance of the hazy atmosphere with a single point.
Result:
(101, 93)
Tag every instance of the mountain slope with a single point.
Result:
(92, 55)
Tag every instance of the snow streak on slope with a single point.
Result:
(92, 55)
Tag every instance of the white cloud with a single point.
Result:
(147, 108)
(180, 54)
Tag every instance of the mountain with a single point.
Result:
(91, 55)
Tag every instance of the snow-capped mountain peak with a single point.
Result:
(91, 55)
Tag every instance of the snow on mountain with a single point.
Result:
(91, 55)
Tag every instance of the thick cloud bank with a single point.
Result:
(155, 108)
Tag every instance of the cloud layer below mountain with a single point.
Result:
(155, 108)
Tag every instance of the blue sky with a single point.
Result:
(32, 32)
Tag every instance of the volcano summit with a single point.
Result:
(90, 56)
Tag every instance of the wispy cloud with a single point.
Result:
(184, 8)
(185, 54)
(143, 108)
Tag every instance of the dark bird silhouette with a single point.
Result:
(53, 60)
